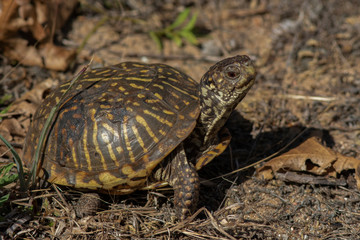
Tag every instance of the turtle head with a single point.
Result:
(221, 89)
(228, 81)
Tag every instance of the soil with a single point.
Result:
(307, 56)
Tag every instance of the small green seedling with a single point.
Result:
(178, 30)
(20, 169)
(6, 178)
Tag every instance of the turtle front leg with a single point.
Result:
(185, 181)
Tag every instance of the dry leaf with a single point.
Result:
(46, 55)
(310, 157)
(14, 129)
(39, 20)
(56, 57)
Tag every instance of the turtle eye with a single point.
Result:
(232, 72)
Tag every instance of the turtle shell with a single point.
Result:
(114, 126)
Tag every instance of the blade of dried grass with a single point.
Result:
(25, 201)
(200, 235)
(216, 225)
(65, 204)
(178, 226)
(144, 211)
(313, 98)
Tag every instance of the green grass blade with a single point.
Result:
(191, 24)
(43, 134)
(177, 40)
(45, 131)
(4, 198)
(19, 166)
(189, 36)
(6, 97)
(156, 38)
(180, 19)
(5, 177)
(5, 110)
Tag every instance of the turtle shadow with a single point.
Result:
(247, 148)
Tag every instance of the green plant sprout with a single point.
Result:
(3, 99)
(6, 178)
(178, 30)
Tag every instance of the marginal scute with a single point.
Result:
(127, 170)
(108, 180)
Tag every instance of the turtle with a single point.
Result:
(136, 126)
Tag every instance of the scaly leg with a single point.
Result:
(185, 181)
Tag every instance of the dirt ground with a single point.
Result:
(307, 55)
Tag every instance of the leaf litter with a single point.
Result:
(306, 54)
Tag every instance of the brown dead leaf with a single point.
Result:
(56, 57)
(46, 55)
(310, 157)
(39, 20)
(10, 127)
(14, 129)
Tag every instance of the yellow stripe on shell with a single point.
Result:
(168, 112)
(175, 95)
(110, 116)
(104, 106)
(138, 65)
(127, 170)
(136, 86)
(86, 151)
(152, 100)
(173, 79)
(138, 137)
(108, 180)
(158, 96)
(73, 153)
(119, 149)
(157, 117)
(138, 79)
(100, 73)
(142, 121)
(94, 138)
(127, 142)
(180, 90)
(110, 150)
(158, 86)
(91, 79)
(79, 87)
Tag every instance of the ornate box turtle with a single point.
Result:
(139, 126)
